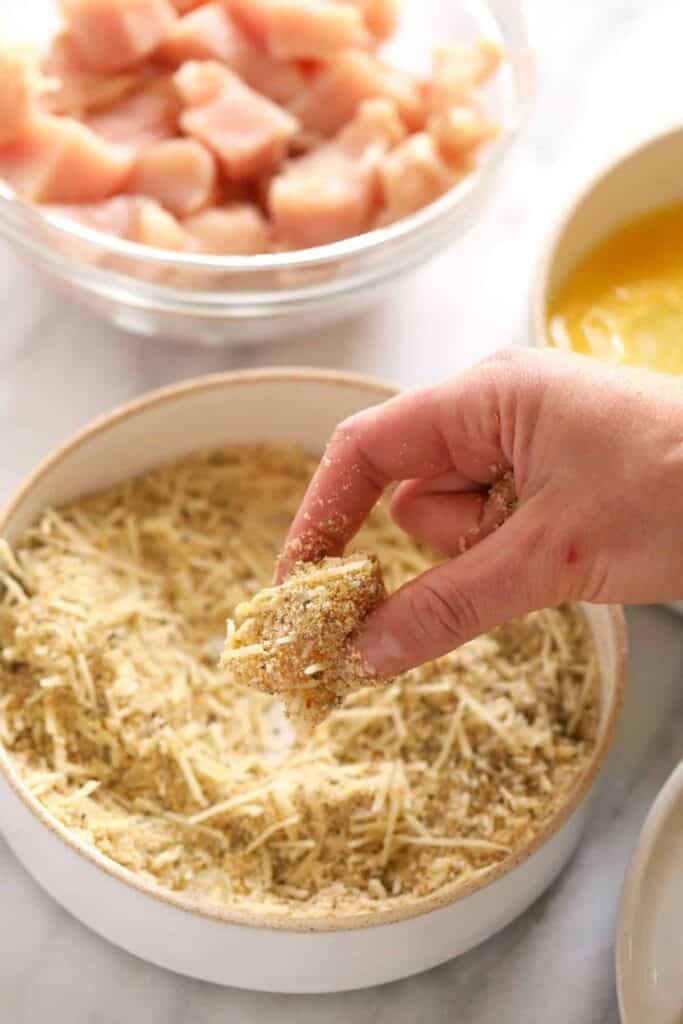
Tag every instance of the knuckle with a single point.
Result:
(347, 432)
(445, 617)
(509, 354)
(507, 360)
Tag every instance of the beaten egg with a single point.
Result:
(623, 302)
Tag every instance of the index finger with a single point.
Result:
(417, 435)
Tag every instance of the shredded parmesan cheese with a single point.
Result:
(120, 723)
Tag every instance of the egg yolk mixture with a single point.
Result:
(623, 302)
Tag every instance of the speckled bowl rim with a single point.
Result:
(451, 894)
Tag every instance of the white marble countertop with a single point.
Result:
(605, 78)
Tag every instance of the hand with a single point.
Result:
(596, 453)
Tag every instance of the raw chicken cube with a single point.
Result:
(251, 16)
(302, 28)
(157, 227)
(18, 87)
(381, 16)
(112, 35)
(179, 173)
(72, 88)
(411, 176)
(376, 127)
(279, 80)
(206, 33)
(333, 191)
(200, 82)
(334, 95)
(59, 160)
(239, 229)
(460, 131)
(147, 116)
(209, 33)
(459, 69)
(322, 197)
(246, 131)
(111, 216)
(135, 218)
(88, 169)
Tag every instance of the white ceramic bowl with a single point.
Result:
(216, 300)
(217, 943)
(644, 178)
(648, 949)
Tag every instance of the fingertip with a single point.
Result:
(380, 648)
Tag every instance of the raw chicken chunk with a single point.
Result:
(183, 6)
(281, 81)
(112, 216)
(18, 86)
(112, 35)
(376, 127)
(321, 197)
(381, 16)
(334, 95)
(247, 132)
(179, 173)
(333, 192)
(135, 218)
(59, 160)
(459, 131)
(209, 33)
(206, 33)
(413, 175)
(459, 69)
(72, 88)
(302, 28)
(157, 227)
(239, 229)
(147, 116)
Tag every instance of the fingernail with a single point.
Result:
(381, 651)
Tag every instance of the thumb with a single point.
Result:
(507, 574)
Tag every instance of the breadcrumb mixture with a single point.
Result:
(292, 641)
(120, 723)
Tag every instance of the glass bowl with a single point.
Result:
(234, 300)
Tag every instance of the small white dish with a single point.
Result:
(649, 951)
(644, 178)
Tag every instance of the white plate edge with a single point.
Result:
(651, 829)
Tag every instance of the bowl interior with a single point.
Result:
(644, 179)
(297, 406)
